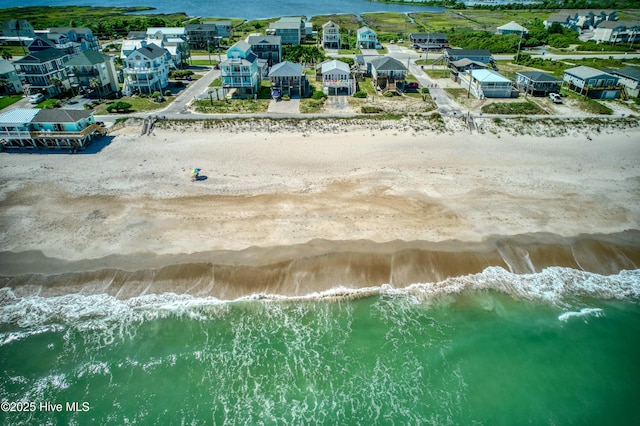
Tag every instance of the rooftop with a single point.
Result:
(18, 115)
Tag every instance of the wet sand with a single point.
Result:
(297, 212)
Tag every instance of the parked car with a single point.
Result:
(412, 85)
(555, 98)
(36, 99)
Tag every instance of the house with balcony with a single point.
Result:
(428, 41)
(367, 38)
(290, 29)
(174, 39)
(202, 35)
(95, 71)
(225, 28)
(614, 32)
(81, 36)
(146, 70)
(387, 74)
(44, 72)
(241, 72)
(10, 75)
(485, 83)
(288, 78)
(537, 83)
(629, 78)
(331, 35)
(337, 79)
(593, 83)
(53, 128)
(268, 48)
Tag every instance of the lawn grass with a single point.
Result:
(390, 22)
(5, 101)
(513, 108)
(138, 104)
(231, 106)
(216, 83)
(203, 62)
(473, 19)
(311, 106)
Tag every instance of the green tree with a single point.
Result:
(94, 83)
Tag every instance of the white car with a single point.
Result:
(555, 98)
(37, 98)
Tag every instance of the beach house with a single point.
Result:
(241, 72)
(290, 29)
(287, 78)
(200, 36)
(537, 83)
(95, 71)
(331, 35)
(367, 38)
(617, 32)
(593, 83)
(337, 79)
(174, 39)
(485, 83)
(81, 37)
(428, 41)
(629, 78)
(387, 74)
(512, 28)
(53, 128)
(477, 55)
(268, 48)
(146, 69)
(44, 72)
(11, 83)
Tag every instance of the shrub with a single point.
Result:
(425, 90)
(318, 94)
(389, 95)
(119, 106)
(370, 109)
(360, 94)
(167, 92)
(285, 97)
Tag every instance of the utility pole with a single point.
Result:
(519, 43)
(209, 50)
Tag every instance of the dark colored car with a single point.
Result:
(412, 85)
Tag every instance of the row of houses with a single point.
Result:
(470, 67)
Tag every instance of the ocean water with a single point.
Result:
(251, 9)
(556, 347)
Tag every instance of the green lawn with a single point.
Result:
(5, 101)
(513, 108)
(390, 22)
(232, 106)
(138, 104)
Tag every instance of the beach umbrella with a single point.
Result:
(196, 170)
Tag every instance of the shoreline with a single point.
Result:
(270, 195)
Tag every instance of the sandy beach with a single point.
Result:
(268, 192)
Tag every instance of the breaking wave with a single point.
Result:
(559, 286)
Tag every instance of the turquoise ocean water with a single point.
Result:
(559, 347)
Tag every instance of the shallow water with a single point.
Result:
(556, 347)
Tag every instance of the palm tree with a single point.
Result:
(94, 83)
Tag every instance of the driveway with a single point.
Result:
(284, 107)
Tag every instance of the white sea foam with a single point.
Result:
(584, 312)
(554, 285)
